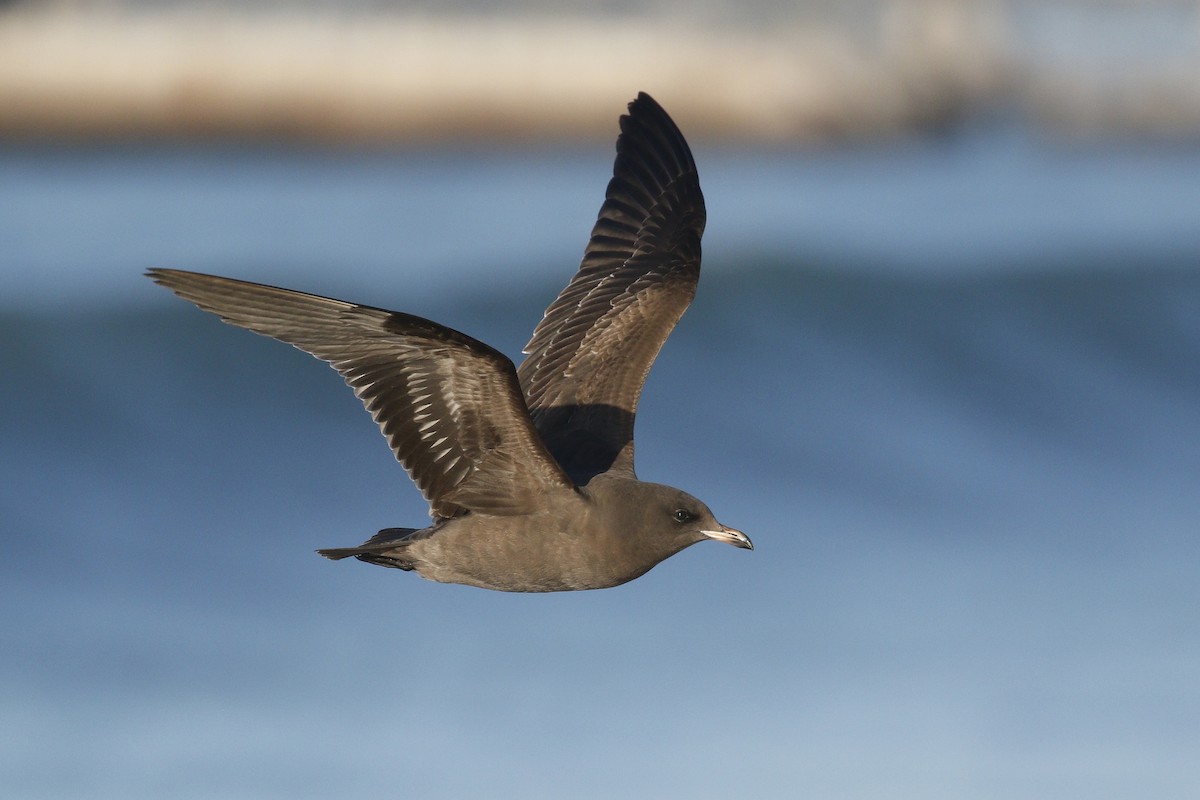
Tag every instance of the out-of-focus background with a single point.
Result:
(944, 368)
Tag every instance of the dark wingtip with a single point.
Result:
(643, 100)
(164, 277)
(643, 109)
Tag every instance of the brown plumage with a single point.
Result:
(528, 473)
(591, 352)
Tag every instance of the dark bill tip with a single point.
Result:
(730, 536)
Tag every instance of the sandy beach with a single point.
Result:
(316, 74)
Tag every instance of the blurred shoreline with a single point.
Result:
(95, 73)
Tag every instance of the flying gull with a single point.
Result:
(528, 472)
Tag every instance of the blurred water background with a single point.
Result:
(943, 368)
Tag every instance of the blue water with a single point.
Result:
(951, 388)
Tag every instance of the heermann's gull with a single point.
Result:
(528, 473)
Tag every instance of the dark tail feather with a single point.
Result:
(338, 553)
(389, 536)
(373, 549)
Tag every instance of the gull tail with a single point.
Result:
(384, 548)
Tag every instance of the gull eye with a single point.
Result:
(683, 515)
